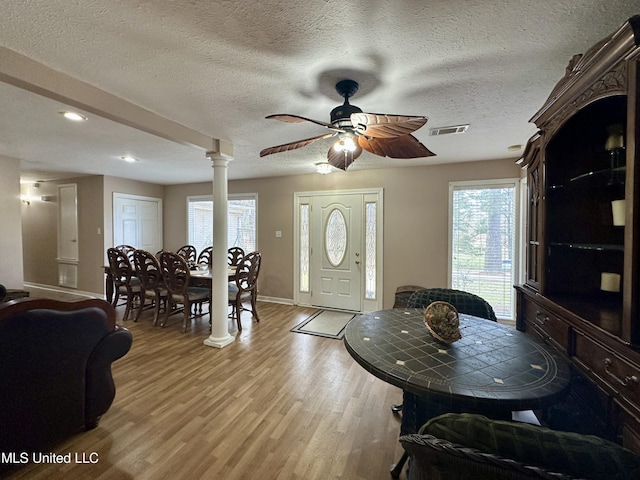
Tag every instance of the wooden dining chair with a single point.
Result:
(234, 256)
(151, 283)
(175, 272)
(206, 256)
(125, 281)
(188, 252)
(245, 286)
(128, 250)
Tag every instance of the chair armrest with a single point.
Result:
(101, 389)
(433, 457)
(572, 454)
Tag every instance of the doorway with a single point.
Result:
(338, 249)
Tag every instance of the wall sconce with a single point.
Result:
(36, 198)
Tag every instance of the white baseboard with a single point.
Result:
(72, 291)
(284, 301)
(53, 288)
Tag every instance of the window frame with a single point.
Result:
(231, 197)
(516, 264)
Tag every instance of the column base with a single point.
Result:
(219, 342)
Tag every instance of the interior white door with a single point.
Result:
(336, 248)
(137, 221)
(68, 256)
(68, 221)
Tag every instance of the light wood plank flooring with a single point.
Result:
(273, 405)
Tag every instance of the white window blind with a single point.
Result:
(241, 226)
(483, 257)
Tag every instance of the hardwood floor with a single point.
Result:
(272, 405)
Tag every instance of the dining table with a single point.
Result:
(205, 273)
(492, 368)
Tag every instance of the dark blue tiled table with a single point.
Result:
(491, 368)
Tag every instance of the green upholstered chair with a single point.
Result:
(464, 302)
(403, 293)
(472, 447)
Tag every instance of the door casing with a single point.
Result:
(369, 302)
(144, 217)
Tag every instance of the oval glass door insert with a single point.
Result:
(335, 237)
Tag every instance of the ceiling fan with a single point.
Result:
(377, 133)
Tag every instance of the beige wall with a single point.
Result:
(415, 221)
(11, 270)
(40, 228)
(40, 234)
(415, 218)
(95, 232)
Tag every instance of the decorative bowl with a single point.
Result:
(443, 321)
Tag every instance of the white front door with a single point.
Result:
(137, 221)
(336, 246)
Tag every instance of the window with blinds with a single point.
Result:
(483, 246)
(241, 226)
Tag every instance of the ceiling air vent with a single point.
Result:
(448, 130)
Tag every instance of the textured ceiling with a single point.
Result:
(219, 67)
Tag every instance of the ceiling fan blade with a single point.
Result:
(406, 146)
(343, 160)
(380, 125)
(294, 145)
(285, 117)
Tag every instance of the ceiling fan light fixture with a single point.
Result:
(345, 143)
(355, 131)
(324, 168)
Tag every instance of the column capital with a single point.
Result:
(222, 150)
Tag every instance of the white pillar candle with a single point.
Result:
(610, 282)
(619, 210)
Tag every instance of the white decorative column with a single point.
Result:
(220, 336)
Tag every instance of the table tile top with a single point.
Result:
(492, 365)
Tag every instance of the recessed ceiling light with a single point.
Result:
(514, 148)
(73, 116)
(128, 158)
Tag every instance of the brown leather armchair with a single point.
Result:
(55, 369)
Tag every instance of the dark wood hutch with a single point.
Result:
(581, 292)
